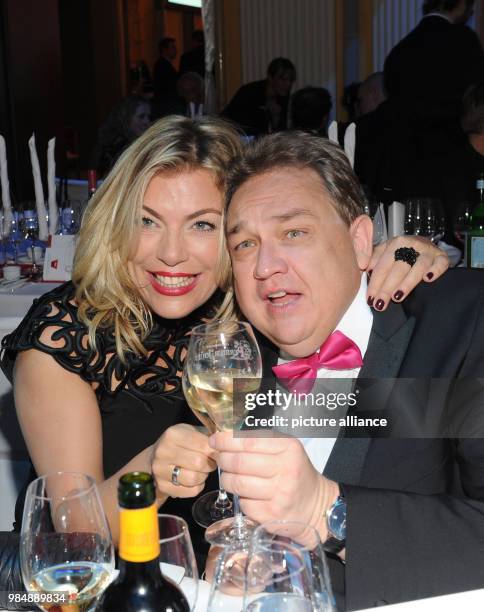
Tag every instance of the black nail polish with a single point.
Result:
(430, 275)
(398, 295)
(379, 305)
(370, 301)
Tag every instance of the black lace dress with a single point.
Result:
(138, 399)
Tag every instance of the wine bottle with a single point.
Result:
(91, 183)
(475, 236)
(140, 585)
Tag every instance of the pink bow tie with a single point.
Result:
(337, 353)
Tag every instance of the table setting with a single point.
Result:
(30, 229)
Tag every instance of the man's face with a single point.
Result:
(296, 263)
(282, 83)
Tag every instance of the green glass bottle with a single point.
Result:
(475, 236)
(140, 586)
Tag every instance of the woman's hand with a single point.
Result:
(184, 446)
(394, 280)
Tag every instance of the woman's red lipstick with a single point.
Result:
(173, 290)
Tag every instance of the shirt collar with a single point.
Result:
(356, 323)
(438, 15)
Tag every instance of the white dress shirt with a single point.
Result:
(356, 324)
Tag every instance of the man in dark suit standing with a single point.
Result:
(426, 75)
(261, 107)
(165, 77)
(414, 506)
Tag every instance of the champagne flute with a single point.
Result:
(215, 505)
(66, 552)
(218, 354)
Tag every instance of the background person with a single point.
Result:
(261, 107)
(126, 122)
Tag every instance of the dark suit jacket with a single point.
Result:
(415, 523)
(248, 108)
(164, 79)
(426, 75)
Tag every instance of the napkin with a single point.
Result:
(39, 192)
(333, 132)
(53, 213)
(396, 219)
(350, 139)
(7, 205)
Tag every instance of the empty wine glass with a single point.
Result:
(461, 222)
(177, 558)
(66, 552)
(70, 214)
(29, 229)
(214, 505)
(218, 354)
(270, 576)
(424, 217)
(307, 540)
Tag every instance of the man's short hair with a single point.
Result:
(435, 6)
(310, 106)
(304, 151)
(472, 115)
(165, 43)
(281, 65)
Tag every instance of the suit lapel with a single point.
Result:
(389, 338)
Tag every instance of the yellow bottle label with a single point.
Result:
(139, 539)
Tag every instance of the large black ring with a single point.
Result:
(407, 254)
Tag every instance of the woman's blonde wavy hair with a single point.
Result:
(105, 294)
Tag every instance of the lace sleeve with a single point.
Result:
(52, 326)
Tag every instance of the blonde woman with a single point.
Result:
(96, 363)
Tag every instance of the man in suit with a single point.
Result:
(425, 75)
(165, 77)
(415, 505)
(261, 107)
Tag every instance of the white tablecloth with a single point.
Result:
(14, 463)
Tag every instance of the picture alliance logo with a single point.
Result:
(240, 350)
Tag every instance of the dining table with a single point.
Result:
(15, 301)
(469, 601)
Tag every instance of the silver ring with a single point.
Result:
(174, 475)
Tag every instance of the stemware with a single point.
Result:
(424, 217)
(214, 505)
(307, 540)
(271, 576)
(177, 557)
(461, 222)
(29, 229)
(66, 552)
(70, 214)
(218, 354)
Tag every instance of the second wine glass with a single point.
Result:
(218, 354)
(66, 553)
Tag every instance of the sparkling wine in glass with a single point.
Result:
(218, 354)
(215, 505)
(66, 552)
